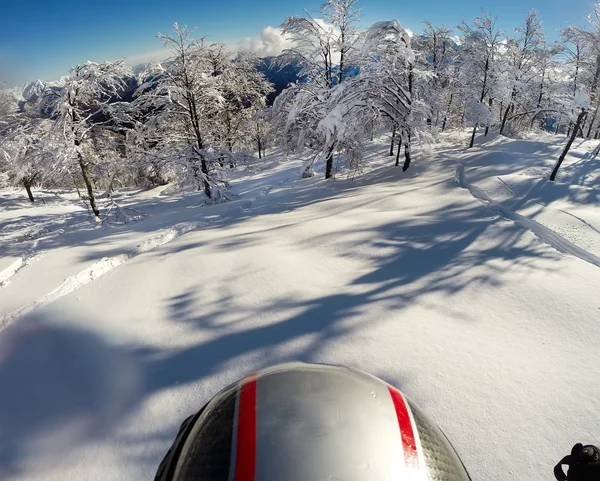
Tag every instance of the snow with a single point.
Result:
(470, 282)
(581, 99)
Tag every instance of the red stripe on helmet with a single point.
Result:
(407, 431)
(245, 459)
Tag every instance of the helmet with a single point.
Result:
(306, 422)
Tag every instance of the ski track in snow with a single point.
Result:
(94, 271)
(542, 232)
(26, 259)
(249, 203)
(521, 199)
(7, 274)
(104, 265)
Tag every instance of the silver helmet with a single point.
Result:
(306, 422)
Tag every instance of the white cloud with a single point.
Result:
(154, 56)
(271, 42)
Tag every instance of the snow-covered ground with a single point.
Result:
(469, 282)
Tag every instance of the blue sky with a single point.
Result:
(42, 39)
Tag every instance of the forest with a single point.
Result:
(194, 118)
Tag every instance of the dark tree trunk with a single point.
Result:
(589, 132)
(487, 124)
(406, 155)
(580, 118)
(473, 136)
(580, 129)
(398, 153)
(408, 132)
(194, 119)
(88, 184)
(504, 118)
(329, 163)
(447, 112)
(204, 167)
(482, 96)
(27, 185)
(533, 117)
(392, 142)
(259, 148)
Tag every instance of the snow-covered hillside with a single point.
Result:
(470, 282)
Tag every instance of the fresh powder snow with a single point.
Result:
(470, 282)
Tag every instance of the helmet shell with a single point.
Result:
(307, 422)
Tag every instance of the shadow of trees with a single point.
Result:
(440, 252)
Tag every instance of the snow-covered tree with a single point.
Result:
(581, 105)
(436, 51)
(479, 68)
(25, 152)
(260, 130)
(524, 61)
(195, 105)
(82, 107)
(244, 90)
(398, 85)
(323, 48)
(344, 17)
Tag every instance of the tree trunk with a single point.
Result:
(329, 163)
(398, 153)
(259, 148)
(75, 184)
(204, 167)
(482, 96)
(580, 129)
(487, 124)
(392, 143)
(473, 136)
(504, 118)
(27, 186)
(580, 118)
(406, 155)
(557, 127)
(589, 132)
(533, 117)
(88, 184)
(447, 112)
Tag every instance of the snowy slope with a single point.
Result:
(454, 281)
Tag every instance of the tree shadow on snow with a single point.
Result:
(441, 251)
(437, 253)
